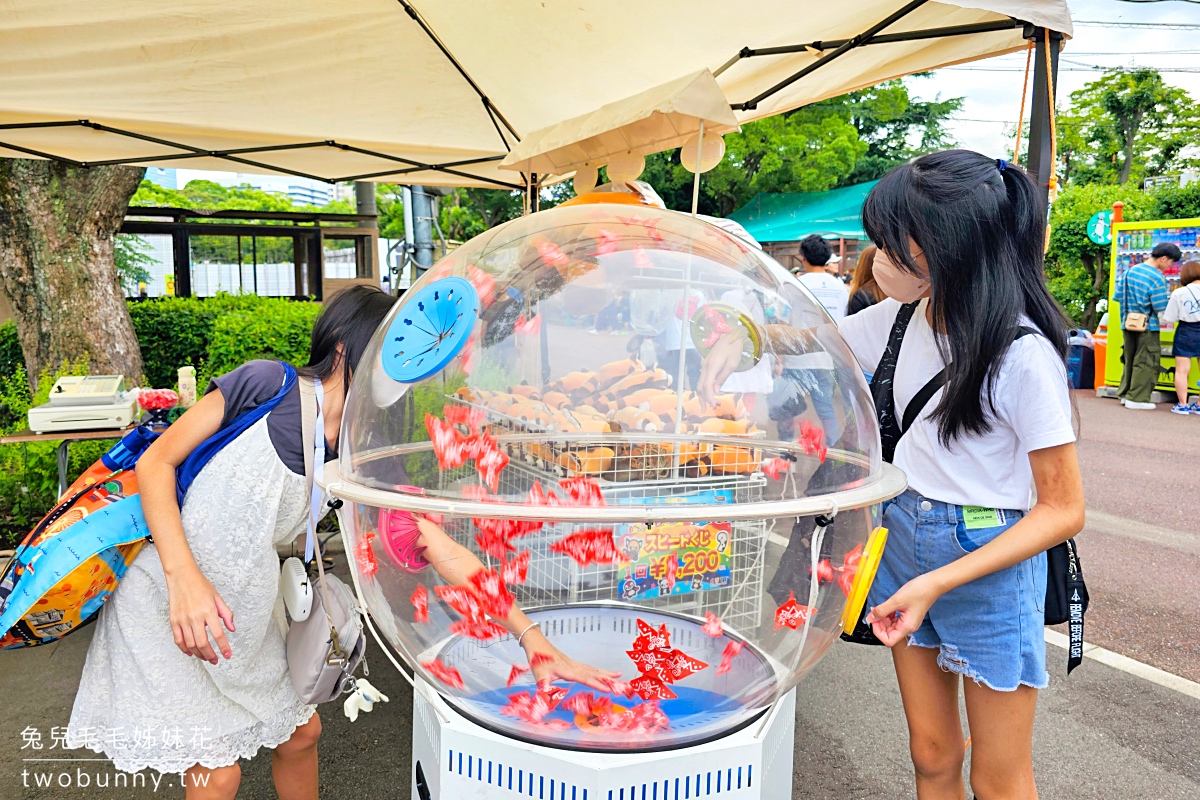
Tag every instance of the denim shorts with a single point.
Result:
(991, 629)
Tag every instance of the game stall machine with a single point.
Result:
(1131, 244)
(709, 554)
(706, 553)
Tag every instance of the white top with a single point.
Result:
(829, 292)
(832, 295)
(1184, 305)
(1032, 403)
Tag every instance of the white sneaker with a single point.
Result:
(1123, 401)
(1139, 406)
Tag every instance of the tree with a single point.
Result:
(1126, 124)
(1077, 267)
(849, 139)
(57, 268)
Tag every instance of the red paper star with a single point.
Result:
(589, 546)
(515, 673)
(462, 600)
(515, 570)
(812, 439)
(475, 629)
(495, 599)
(712, 625)
(648, 687)
(583, 491)
(776, 467)
(552, 254)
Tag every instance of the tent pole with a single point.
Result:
(696, 179)
(1038, 162)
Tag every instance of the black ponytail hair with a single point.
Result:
(348, 320)
(981, 223)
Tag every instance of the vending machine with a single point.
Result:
(1131, 244)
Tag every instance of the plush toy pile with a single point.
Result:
(621, 397)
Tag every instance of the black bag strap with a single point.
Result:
(881, 382)
(883, 385)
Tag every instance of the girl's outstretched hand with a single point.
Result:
(718, 365)
(903, 612)
(197, 611)
(549, 665)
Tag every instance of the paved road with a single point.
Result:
(1141, 546)
(1101, 733)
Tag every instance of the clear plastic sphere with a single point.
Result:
(539, 396)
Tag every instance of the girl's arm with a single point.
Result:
(456, 564)
(196, 608)
(1057, 515)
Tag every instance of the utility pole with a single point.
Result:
(422, 228)
(364, 202)
(1041, 141)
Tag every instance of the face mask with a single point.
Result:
(897, 283)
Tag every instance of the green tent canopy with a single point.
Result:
(792, 216)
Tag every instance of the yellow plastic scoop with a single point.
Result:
(863, 579)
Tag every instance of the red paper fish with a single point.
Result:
(448, 443)
(462, 600)
(493, 542)
(495, 599)
(420, 603)
(617, 686)
(589, 546)
(825, 572)
(712, 625)
(484, 284)
(553, 694)
(530, 327)
(466, 416)
(515, 673)
(640, 259)
(364, 554)
(515, 570)
(849, 569)
(445, 674)
(540, 497)
(727, 656)
(718, 326)
(552, 254)
(490, 464)
(484, 630)
(478, 492)
(648, 687)
(791, 613)
(776, 467)
(812, 439)
(583, 490)
(606, 242)
(672, 570)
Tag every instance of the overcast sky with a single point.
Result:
(993, 97)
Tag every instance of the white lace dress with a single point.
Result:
(142, 702)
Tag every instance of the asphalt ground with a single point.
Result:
(1101, 733)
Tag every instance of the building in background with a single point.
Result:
(301, 191)
(780, 221)
(166, 178)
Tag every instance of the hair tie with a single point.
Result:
(1001, 164)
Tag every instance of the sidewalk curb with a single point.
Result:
(1128, 665)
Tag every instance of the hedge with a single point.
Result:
(215, 335)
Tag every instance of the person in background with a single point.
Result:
(864, 291)
(815, 253)
(1184, 310)
(1142, 289)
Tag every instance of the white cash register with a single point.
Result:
(85, 403)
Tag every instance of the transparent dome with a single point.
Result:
(550, 396)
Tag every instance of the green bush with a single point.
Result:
(10, 349)
(218, 334)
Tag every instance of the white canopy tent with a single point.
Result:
(435, 91)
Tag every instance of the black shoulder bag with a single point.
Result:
(1066, 593)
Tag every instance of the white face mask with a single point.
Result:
(896, 283)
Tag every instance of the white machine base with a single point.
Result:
(455, 759)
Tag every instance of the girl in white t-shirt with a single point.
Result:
(961, 588)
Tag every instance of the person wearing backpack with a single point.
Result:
(960, 594)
